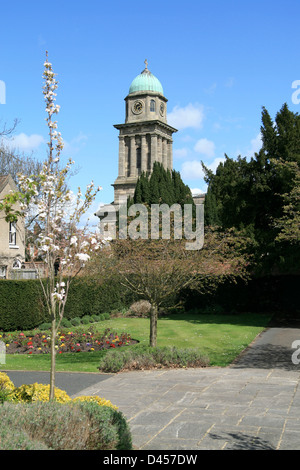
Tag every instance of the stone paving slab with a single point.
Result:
(209, 408)
(252, 405)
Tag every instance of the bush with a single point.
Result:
(45, 326)
(75, 321)
(57, 426)
(38, 392)
(140, 308)
(34, 423)
(146, 357)
(66, 323)
(86, 320)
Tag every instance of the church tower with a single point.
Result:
(145, 137)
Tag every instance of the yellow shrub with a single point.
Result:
(39, 392)
(96, 399)
(5, 382)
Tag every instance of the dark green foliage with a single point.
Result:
(250, 194)
(22, 306)
(162, 187)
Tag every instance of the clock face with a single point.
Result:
(137, 107)
(162, 109)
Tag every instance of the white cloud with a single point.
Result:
(256, 145)
(214, 165)
(205, 147)
(189, 116)
(193, 170)
(24, 142)
(196, 191)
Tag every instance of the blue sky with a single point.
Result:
(218, 61)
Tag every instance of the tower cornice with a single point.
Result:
(157, 122)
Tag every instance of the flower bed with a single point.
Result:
(66, 342)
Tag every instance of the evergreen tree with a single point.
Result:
(247, 194)
(162, 187)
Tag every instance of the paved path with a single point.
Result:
(253, 404)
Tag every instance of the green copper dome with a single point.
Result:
(146, 81)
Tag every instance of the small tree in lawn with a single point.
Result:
(58, 214)
(157, 270)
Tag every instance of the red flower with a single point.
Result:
(29, 343)
(112, 345)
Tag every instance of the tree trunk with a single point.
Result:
(153, 325)
(53, 354)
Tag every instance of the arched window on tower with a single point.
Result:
(152, 106)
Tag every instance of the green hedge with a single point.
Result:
(22, 306)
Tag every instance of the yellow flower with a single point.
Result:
(92, 349)
(96, 399)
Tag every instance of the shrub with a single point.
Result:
(86, 320)
(45, 326)
(6, 383)
(75, 321)
(66, 323)
(96, 399)
(140, 308)
(110, 424)
(58, 426)
(6, 388)
(39, 392)
(146, 357)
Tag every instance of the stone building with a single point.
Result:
(12, 236)
(145, 137)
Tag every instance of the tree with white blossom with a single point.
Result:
(60, 242)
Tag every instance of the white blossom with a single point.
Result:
(82, 256)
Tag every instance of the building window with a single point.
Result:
(152, 106)
(2, 272)
(17, 264)
(12, 233)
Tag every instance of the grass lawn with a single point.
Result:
(219, 337)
